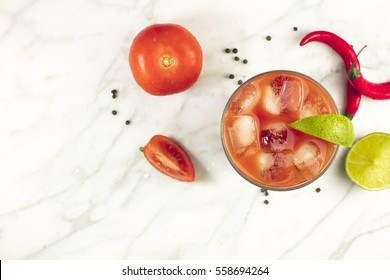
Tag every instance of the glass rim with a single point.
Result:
(273, 188)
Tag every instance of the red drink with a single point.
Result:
(257, 139)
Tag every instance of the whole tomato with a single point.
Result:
(165, 59)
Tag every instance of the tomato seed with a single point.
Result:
(231, 76)
(227, 50)
(141, 149)
(235, 50)
(114, 112)
(268, 38)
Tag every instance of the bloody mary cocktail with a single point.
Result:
(257, 139)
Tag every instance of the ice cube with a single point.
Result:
(271, 101)
(313, 105)
(266, 161)
(292, 95)
(308, 159)
(243, 134)
(244, 100)
(276, 167)
(276, 137)
(285, 94)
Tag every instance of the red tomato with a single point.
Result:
(165, 59)
(169, 158)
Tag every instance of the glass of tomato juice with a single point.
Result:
(256, 137)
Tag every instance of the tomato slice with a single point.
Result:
(169, 158)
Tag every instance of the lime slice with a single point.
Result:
(334, 128)
(368, 162)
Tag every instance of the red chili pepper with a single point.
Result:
(353, 101)
(379, 91)
(372, 90)
(349, 57)
(339, 45)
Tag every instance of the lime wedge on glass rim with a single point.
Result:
(367, 163)
(334, 128)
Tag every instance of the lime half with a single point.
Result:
(334, 128)
(368, 162)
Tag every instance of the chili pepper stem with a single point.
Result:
(353, 72)
(349, 116)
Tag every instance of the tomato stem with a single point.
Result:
(167, 61)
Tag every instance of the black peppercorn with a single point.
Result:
(127, 122)
(227, 50)
(235, 50)
(231, 76)
(266, 202)
(240, 82)
(114, 112)
(245, 61)
(236, 58)
(114, 93)
(268, 38)
(318, 189)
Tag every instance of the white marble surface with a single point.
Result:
(73, 183)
